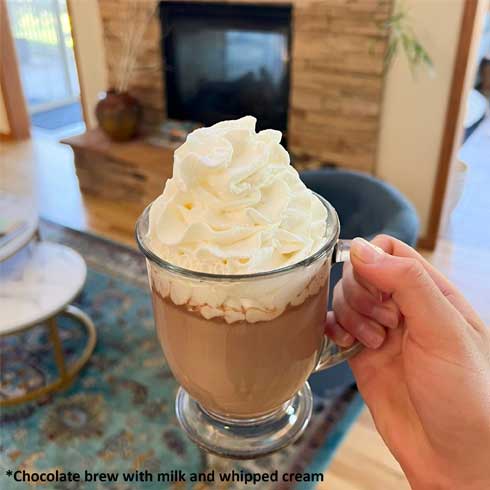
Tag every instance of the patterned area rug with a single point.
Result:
(118, 415)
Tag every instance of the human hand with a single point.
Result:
(425, 378)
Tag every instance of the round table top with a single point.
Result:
(18, 220)
(38, 282)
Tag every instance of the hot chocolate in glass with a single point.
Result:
(239, 254)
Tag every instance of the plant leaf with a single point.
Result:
(390, 53)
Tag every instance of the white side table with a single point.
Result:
(37, 285)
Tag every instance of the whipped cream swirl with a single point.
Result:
(235, 205)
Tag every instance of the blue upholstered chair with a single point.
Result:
(366, 207)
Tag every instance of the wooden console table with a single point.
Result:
(134, 171)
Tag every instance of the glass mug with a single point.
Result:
(243, 390)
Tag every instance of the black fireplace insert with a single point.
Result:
(224, 61)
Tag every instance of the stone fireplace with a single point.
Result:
(336, 74)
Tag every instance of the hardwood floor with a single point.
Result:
(363, 462)
(44, 170)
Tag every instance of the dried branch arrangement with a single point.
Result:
(135, 16)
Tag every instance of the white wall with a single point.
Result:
(414, 109)
(4, 123)
(90, 54)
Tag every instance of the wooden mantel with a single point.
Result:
(134, 171)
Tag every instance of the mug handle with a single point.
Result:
(331, 353)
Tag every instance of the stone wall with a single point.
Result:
(146, 82)
(336, 75)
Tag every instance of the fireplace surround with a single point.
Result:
(336, 74)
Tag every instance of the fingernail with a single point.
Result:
(346, 340)
(340, 336)
(386, 317)
(365, 251)
(370, 336)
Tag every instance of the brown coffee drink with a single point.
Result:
(241, 370)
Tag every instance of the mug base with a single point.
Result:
(249, 438)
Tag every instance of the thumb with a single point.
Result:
(426, 310)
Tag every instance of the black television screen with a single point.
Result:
(224, 61)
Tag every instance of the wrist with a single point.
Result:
(427, 482)
(432, 481)
(452, 472)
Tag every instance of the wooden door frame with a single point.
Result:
(453, 128)
(10, 82)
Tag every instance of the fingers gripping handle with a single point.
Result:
(331, 353)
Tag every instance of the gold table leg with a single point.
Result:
(59, 355)
(65, 374)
